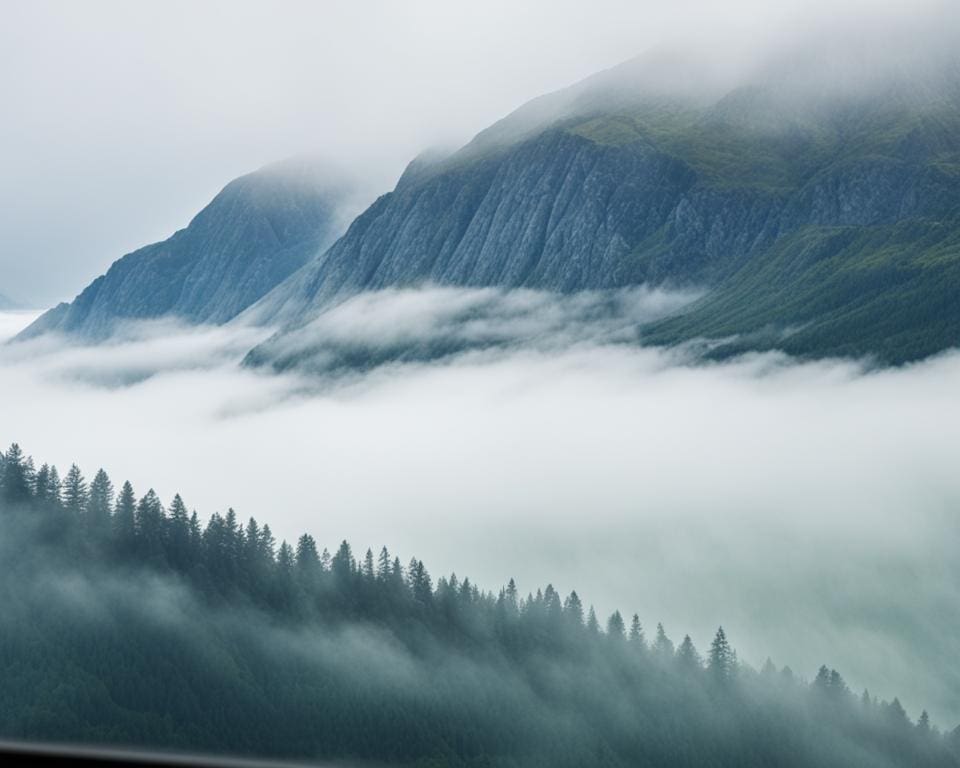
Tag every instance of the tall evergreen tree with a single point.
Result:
(687, 657)
(178, 538)
(384, 566)
(16, 481)
(636, 632)
(573, 610)
(124, 520)
(150, 525)
(369, 572)
(721, 662)
(75, 492)
(616, 629)
(308, 561)
(593, 626)
(663, 645)
(98, 506)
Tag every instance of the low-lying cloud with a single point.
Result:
(436, 323)
(809, 507)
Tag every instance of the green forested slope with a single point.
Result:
(128, 623)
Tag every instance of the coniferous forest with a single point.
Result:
(128, 622)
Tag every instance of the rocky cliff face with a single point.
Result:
(661, 191)
(555, 212)
(261, 228)
(823, 220)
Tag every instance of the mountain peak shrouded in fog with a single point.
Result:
(669, 171)
(257, 231)
(824, 169)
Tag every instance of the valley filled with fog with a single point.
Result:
(808, 507)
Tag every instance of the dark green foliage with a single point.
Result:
(138, 628)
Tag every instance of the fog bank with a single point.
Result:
(809, 508)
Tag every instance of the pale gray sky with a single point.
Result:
(121, 120)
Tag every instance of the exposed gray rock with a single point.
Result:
(602, 186)
(256, 232)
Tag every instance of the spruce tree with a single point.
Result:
(663, 645)
(593, 626)
(369, 572)
(98, 506)
(308, 561)
(616, 629)
(150, 528)
(75, 492)
(124, 520)
(573, 610)
(178, 540)
(721, 661)
(636, 632)
(688, 659)
(384, 567)
(16, 480)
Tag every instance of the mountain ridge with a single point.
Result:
(645, 187)
(257, 231)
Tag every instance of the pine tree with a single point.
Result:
(251, 545)
(285, 559)
(421, 585)
(662, 645)
(178, 539)
(233, 540)
(343, 566)
(636, 633)
(593, 626)
(150, 525)
(15, 481)
(687, 657)
(98, 506)
(308, 561)
(384, 567)
(821, 682)
(837, 686)
(53, 489)
(369, 572)
(573, 610)
(553, 609)
(124, 520)
(896, 714)
(75, 492)
(196, 537)
(397, 578)
(616, 629)
(721, 661)
(268, 545)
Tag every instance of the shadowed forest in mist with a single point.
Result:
(130, 623)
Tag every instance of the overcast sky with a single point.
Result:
(121, 120)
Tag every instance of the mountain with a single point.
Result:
(819, 207)
(257, 231)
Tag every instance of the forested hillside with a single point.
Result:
(127, 622)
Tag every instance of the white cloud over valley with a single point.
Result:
(809, 507)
